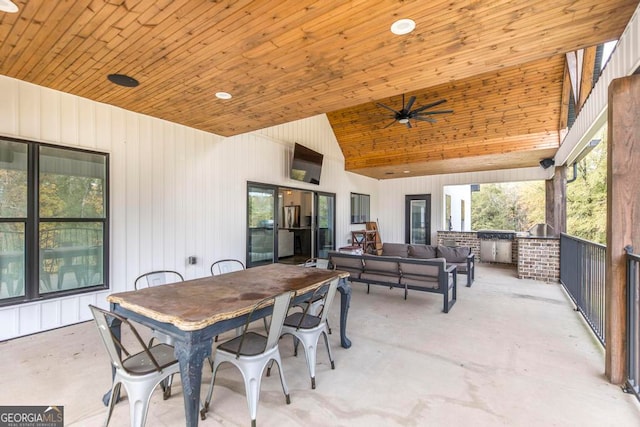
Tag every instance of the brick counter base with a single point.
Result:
(539, 259)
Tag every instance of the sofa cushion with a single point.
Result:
(430, 268)
(454, 255)
(422, 251)
(420, 281)
(461, 267)
(381, 264)
(352, 264)
(395, 249)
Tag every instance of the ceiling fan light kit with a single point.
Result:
(406, 114)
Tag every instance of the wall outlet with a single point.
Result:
(192, 260)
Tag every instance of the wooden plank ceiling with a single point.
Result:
(499, 64)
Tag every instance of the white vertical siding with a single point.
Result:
(174, 191)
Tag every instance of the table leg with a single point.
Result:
(191, 356)
(345, 299)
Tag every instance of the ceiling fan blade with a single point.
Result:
(388, 108)
(425, 119)
(433, 104)
(409, 104)
(433, 112)
(389, 124)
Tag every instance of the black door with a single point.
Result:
(417, 222)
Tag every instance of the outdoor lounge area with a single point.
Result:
(513, 352)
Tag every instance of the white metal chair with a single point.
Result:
(140, 372)
(158, 278)
(251, 352)
(307, 328)
(225, 266)
(317, 303)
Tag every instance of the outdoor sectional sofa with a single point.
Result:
(404, 266)
(461, 256)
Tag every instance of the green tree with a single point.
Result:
(513, 206)
(587, 197)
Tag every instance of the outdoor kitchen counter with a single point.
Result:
(535, 257)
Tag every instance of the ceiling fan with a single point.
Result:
(405, 115)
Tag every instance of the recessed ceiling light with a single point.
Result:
(122, 80)
(8, 6)
(406, 171)
(403, 26)
(223, 95)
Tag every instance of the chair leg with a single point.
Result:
(214, 369)
(115, 392)
(139, 395)
(285, 389)
(166, 387)
(310, 344)
(326, 342)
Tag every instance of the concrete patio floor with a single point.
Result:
(510, 353)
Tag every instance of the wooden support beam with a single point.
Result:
(586, 79)
(556, 200)
(623, 206)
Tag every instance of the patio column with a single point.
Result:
(556, 200)
(623, 206)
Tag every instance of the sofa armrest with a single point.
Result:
(453, 271)
(471, 265)
(450, 271)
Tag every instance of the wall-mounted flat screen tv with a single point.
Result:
(306, 164)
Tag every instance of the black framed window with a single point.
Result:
(360, 208)
(54, 223)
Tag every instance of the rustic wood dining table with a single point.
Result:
(195, 311)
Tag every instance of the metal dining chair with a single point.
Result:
(138, 367)
(158, 278)
(251, 352)
(316, 304)
(225, 266)
(307, 328)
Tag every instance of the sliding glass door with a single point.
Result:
(288, 225)
(261, 214)
(325, 207)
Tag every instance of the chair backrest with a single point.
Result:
(225, 266)
(317, 263)
(280, 308)
(329, 291)
(311, 262)
(157, 278)
(113, 343)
